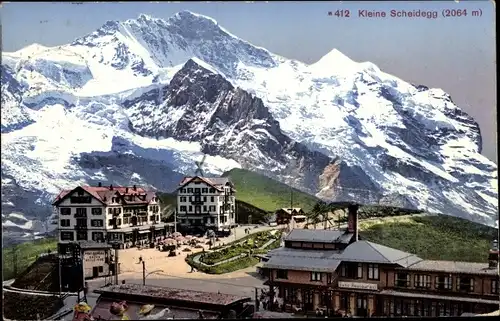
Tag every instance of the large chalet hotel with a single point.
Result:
(333, 271)
(100, 214)
(206, 203)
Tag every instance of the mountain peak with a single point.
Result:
(334, 61)
(186, 15)
(145, 17)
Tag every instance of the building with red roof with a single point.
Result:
(94, 216)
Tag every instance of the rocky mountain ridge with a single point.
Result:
(138, 101)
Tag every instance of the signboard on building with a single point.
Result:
(358, 286)
(94, 256)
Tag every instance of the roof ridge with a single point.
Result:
(376, 250)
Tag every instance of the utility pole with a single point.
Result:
(143, 272)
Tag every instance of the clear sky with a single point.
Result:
(456, 54)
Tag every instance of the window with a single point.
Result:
(67, 236)
(204, 198)
(96, 223)
(316, 276)
(81, 236)
(465, 284)
(97, 211)
(111, 222)
(197, 190)
(205, 208)
(212, 190)
(81, 222)
(204, 190)
(183, 208)
(190, 209)
(282, 274)
(81, 212)
(126, 220)
(183, 198)
(110, 210)
(183, 190)
(422, 281)
(402, 280)
(158, 218)
(119, 222)
(443, 283)
(98, 236)
(152, 218)
(100, 269)
(494, 286)
(190, 190)
(373, 272)
(349, 270)
(211, 208)
(212, 199)
(64, 223)
(65, 211)
(360, 271)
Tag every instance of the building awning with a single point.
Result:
(144, 232)
(437, 297)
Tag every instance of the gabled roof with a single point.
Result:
(65, 193)
(365, 251)
(318, 236)
(290, 210)
(104, 194)
(216, 182)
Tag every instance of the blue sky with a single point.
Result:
(456, 54)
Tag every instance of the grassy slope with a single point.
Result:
(266, 193)
(26, 255)
(438, 237)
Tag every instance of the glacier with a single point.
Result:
(138, 101)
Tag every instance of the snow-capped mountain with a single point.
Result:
(138, 101)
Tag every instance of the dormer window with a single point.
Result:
(113, 200)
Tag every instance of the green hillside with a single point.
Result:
(16, 258)
(266, 193)
(432, 237)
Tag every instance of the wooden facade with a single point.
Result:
(343, 275)
(284, 215)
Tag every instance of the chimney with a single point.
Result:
(493, 256)
(111, 187)
(99, 184)
(135, 188)
(126, 190)
(352, 220)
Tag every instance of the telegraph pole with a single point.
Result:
(143, 272)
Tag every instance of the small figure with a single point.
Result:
(82, 312)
